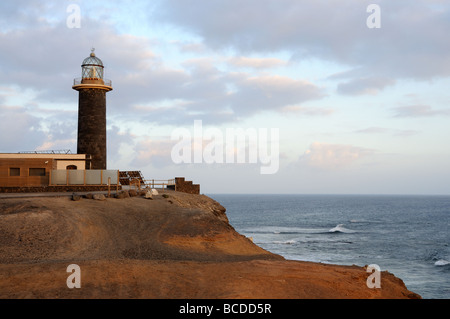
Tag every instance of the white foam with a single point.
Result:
(277, 230)
(442, 262)
(287, 242)
(341, 229)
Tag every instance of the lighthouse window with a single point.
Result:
(37, 172)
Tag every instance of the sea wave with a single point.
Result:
(442, 262)
(278, 230)
(341, 229)
(286, 242)
(273, 230)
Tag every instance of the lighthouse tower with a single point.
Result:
(92, 88)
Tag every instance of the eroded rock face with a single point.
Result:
(201, 202)
(122, 227)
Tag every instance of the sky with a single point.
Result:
(342, 99)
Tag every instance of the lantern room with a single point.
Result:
(92, 71)
(92, 68)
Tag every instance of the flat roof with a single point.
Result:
(42, 155)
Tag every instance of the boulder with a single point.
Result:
(99, 197)
(154, 191)
(148, 195)
(76, 197)
(122, 194)
(132, 192)
(142, 192)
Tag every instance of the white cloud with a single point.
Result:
(271, 92)
(419, 111)
(367, 85)
(204, 93)
(257, 63)
(310, 111)
(151, 152)
(19, 131)
(408, 45)
(384, 130)
(333, 156)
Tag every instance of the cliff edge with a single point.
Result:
(173, 246)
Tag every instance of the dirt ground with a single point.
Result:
(176, 246)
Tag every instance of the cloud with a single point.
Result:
(20, 131)
(192, 47)
(333, 31)
(419, 111)
(310, 111)
(408, 45)
(55, 60)
(383, 130)
(405, 133)
(59, 136)
(367, 85)
(333, 156)
(256, 63)
(373, 130)
(153, 152)
(270, 92)
(141, 80)
(216, 97)
(268, 25)
(115, 139)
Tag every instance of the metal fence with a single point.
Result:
(152, 183)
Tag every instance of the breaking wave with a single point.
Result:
(442, 262)
(341, 229)
(286, 242)
(269, 230)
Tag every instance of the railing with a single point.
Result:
(159, 182)
(79, 81)
(47, 152)
(162, 183)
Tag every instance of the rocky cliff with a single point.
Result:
(172, 246)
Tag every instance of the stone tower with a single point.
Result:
(92, 88)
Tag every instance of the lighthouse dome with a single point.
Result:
(92, 67)
(92, 60)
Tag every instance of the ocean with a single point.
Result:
(405, 235)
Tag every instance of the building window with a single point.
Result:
(37, 172)
(71, 167)
(14, 171)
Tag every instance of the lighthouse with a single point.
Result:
(92, 89)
